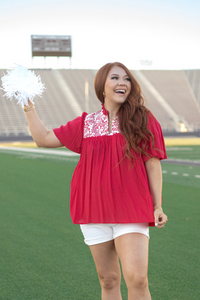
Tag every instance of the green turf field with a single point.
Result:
(43, 255)
(184, 152)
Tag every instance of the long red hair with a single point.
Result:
(133, 115)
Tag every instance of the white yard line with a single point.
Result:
(42, 151)
(184, 162)
(180, 174)
(72, 154)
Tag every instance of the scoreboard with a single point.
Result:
(51, 45)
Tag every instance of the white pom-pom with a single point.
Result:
(22, 84)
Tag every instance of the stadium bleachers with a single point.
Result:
(194, 80)
(12, 120)
(159, 112)
(175, 88)
(64, 99)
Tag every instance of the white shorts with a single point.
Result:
(101, 233)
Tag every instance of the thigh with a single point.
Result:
(106, 259)
(132, 249)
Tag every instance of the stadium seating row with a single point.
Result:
(172, 96)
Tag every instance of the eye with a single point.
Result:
(114, 77)
(128, 79)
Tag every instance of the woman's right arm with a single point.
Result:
(42, 137)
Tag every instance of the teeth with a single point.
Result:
(120, 91)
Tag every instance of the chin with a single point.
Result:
(121, 101)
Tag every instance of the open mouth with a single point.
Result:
(122, 92)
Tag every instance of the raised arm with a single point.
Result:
(41, 136)
(154, 174)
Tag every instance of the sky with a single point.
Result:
(165, 33)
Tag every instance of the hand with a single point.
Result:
(160, 217)
(30, 104)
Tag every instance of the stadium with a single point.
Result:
(172, 96)
(43, 256)
(38, 241)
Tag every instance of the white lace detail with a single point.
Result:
(96, 124)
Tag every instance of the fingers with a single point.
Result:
(160, 219)
(30, 104)
(161, 224)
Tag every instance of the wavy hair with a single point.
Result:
(133, 115)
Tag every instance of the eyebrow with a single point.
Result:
(118, 75)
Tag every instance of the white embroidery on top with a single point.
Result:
(96, 124)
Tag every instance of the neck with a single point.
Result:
(112, 110)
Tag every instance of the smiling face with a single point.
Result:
(117, 88)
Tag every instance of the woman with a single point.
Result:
(116, 187)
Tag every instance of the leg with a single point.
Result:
(108, 269)
(132, 249)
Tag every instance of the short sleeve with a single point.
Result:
(158, 148)
(71, 135)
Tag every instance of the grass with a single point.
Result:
(191, 152)
(174, 259)
(43, 255)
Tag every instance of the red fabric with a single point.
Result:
(159, 143)
(71, 135)
(102, 189)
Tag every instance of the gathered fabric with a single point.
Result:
(105, 187)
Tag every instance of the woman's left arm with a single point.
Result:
(154, 174)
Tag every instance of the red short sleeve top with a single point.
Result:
(104, 187)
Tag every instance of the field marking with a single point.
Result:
(179, 149)
(182, 141)
(29, 155)
(169, 142)
(37, 153)
(19, 144)
(184, 162)
(55, 157)
(42, 151)
(176, 173)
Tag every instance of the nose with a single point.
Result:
(122, 81)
